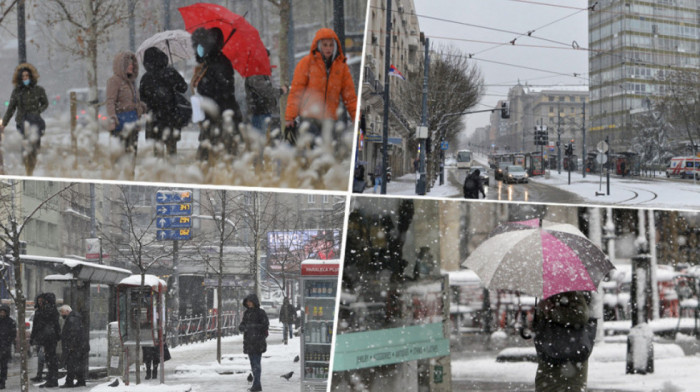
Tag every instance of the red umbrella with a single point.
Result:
(242, 46)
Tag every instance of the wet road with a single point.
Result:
(532, 191)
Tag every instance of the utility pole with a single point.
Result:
(21, 33)
(607, 165)
(166, 14)
(387, 65)
(132, 25)
(339, 21)
(421, 185)
(583, 151)
(559, 157)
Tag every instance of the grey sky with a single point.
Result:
(516, 16)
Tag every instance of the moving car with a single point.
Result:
(515, 174)
(684, 167)
(498, 174)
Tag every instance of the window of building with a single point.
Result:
(551, 109)
(326, 198)
(311, 199)
(551, 98)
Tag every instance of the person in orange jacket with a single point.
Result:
(320, 80)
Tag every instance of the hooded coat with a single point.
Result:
(317, 89)
(8, 332)
(254, 326)
(122, 95)
(569, 308)
(473, 185)
(25, 99)
(157, 89)
(217, 82)
(46, 330)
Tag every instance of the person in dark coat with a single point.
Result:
(213, 79)
(75, 345)
(159, 88)
(38, 301)
(151, 358)
(262, 100)
(29, 100)
(255, 330)
(287, 314)
(46, 332)
(569, 308)
(8, 333)
(473, 185)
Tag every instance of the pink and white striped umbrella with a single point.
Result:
(539, 258)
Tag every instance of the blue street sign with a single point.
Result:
(443, 146)
(163, 197)
(174, 209)
(174, 235)
(174, 223)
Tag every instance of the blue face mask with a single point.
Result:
(26, 82)
(200, 50)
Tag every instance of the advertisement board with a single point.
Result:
(287, 249)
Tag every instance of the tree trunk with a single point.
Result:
(285, 77)
(219, 288)
(21, 303)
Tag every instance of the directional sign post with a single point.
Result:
(173, 212)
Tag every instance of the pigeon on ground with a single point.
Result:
(287, 376)
(115, 383)
(250, 377)
(296, 359)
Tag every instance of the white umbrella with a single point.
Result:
(177, 44)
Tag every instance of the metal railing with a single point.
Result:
(203, 327)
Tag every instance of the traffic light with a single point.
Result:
(504, 110)
(569, 149)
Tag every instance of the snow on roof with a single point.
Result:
(149, 280)
(463, 277)
(567, 88)
(59, 277)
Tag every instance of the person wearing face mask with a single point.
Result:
(321, 79)
(29, 100)
(75, 347)
(123, 103)
(213, 80)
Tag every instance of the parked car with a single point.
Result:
(483, 173)
(498, 174)
(515, 174)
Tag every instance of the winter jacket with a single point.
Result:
(46, 331)
(157, 90)
(473, 185)
(568, 308)
(25, 99)
(73, 337)
(8, 332)
(261, 95)
(254, 327)
(287, 313)
(217, 82)
(316, 90)
(122, 95)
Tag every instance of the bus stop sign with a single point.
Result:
(443, 146)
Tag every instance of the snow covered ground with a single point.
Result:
(406, 186)
(99, 156)
(673, 372)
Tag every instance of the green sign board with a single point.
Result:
(359, 350)
(437, 374)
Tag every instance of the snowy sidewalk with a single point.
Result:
(406, 186)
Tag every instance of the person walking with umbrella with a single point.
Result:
(321, 79)
(162, 89)
(29, 100)
(254, 326)
(213, 79)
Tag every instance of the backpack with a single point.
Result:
(469, 186)
(557, 344)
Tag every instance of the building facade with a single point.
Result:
(407, 53)
(633, 44)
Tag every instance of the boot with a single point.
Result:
(155, 372)
(37, 378)
(2, 384)
(148, 373)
